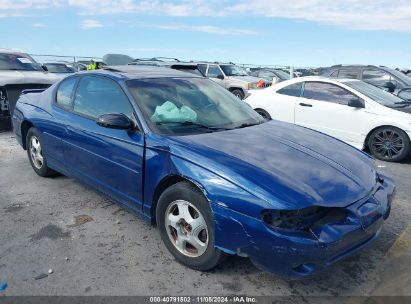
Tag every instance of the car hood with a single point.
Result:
(284, 164)
(23, 77)
(251, 79)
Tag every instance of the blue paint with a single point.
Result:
(3, 286)
(243, 172)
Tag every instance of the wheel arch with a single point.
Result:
(25, 127)
(166, 183)
(263, 110)
(231, 89)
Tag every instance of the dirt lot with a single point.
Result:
(96, 248)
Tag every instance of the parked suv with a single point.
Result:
(385, 78)
(18, 72)
(232, 77)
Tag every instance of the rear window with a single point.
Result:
(65, 92)
(291, 90)
(18, 62)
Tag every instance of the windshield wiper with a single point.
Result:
(192, 123)
(245, 125)
(402, 102)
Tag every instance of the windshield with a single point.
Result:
(376, 94)
(18, 62)
(233, 70)
(58, 68)
(402, 77)
(190, 105)
(283, 75)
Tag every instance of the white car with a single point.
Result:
(351, 110)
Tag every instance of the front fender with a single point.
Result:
(231, 205)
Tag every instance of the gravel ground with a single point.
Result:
(96, 248)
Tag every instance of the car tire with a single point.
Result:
(238, 93)
(35, 148)
(389, 144)
(263, 113)
(186, 225)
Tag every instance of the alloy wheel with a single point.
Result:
(36, 152)
(387, 144)
(186, 228)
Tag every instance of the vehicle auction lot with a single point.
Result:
(97, 248)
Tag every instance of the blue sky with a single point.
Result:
(274, 32)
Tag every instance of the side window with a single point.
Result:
(327, 92)
(352, 74)
(291, 90)
(65, 92)
(202, 68)
(214, 71)
(96, 96)
(334, 74)
(375, 76)
(266, 74)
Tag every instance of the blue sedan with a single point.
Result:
(208, 171)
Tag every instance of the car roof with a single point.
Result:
(140, 72)
(319, 78)
(358, 66)
(12, 51)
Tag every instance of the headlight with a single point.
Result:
(250, 86)
(302, 219)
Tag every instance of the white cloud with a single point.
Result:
(352, 14)
(38, 25)
(207, 29)
(29, 4)
(194, 28)
(90, 24)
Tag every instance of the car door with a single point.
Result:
(282, 105)
(324, 107)
(109, 159)
(54, 131)
(215, 74)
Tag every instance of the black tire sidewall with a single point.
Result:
(266, 114)
(44, 170)
(239, 93)
(188, 192)
(399, 157)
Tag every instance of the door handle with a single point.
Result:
(305, 104)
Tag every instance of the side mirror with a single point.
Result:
(220, 77)
(115, 121)
(45, 68)
(390, 86)
(356, 103)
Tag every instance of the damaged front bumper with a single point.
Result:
(297, 255)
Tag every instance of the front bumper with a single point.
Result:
(293, 256)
